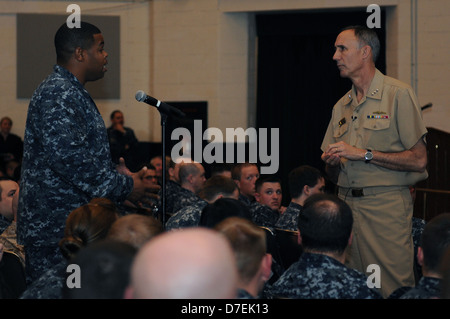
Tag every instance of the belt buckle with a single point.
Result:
(357, 192)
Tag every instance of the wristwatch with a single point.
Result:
(368, 156)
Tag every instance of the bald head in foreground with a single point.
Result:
(192, 263)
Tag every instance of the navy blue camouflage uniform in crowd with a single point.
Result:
(426, 288)
(172, 195)
(289, 219)
(49, 285)
(188, 216)
(263, 215)
(317, 276)
(66, 163)
(244, 294)
(185, 198)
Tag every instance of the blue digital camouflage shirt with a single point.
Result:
(426, 288)
(317, 276)
(263, 215)
(67, 160)
(289, 219)
(188, 216)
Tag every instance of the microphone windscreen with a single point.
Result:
(140, 95)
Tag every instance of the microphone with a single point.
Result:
(161, 106)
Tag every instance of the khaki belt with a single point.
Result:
(360, 192)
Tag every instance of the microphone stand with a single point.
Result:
(163, 193)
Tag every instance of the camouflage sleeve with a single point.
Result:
(77, 149)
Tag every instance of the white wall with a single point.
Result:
(135, 59)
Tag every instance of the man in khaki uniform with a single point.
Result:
(374, 148)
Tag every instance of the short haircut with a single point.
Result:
(68, 39)
(214, 213)
(187, 169)
(113, 113)
(266, 179)
(236, 171)
(135, 229)
(219, 168)
(366, 36)
(301, 176)
(218, 185)
(435, 240)
(325, 223)
(6, 118)
(105, 268)
(248, 242)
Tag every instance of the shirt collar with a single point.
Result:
(375, 90)
(67, 74)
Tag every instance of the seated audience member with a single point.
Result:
(142, 203)
(104, 269)
(11, 145)
(135, 229)
(221, 209)
(193, 263)
(172, 183)
(253, 263)
(10, 168)
(266, 208)
(122, 141)
(9, 236)
(156, 161)
(192, 179)
(304, 181)
(150, 180)
(325, 231)
(221, 169)
(173, 168)
(418, 224)
(8, 188)
(434, 243)
(245, 176)
(150, 175)
(84, 225)
(214, 188)
(181, 190)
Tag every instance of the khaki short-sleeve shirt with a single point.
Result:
(388, 119)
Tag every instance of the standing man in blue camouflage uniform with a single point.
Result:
(325, 232)
(67, 159)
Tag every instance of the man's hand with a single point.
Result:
(344, 150)
(122, 168)
(142, 193)
(119, 127)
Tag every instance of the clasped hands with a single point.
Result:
(332, 156)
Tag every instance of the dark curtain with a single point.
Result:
(299, 83)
